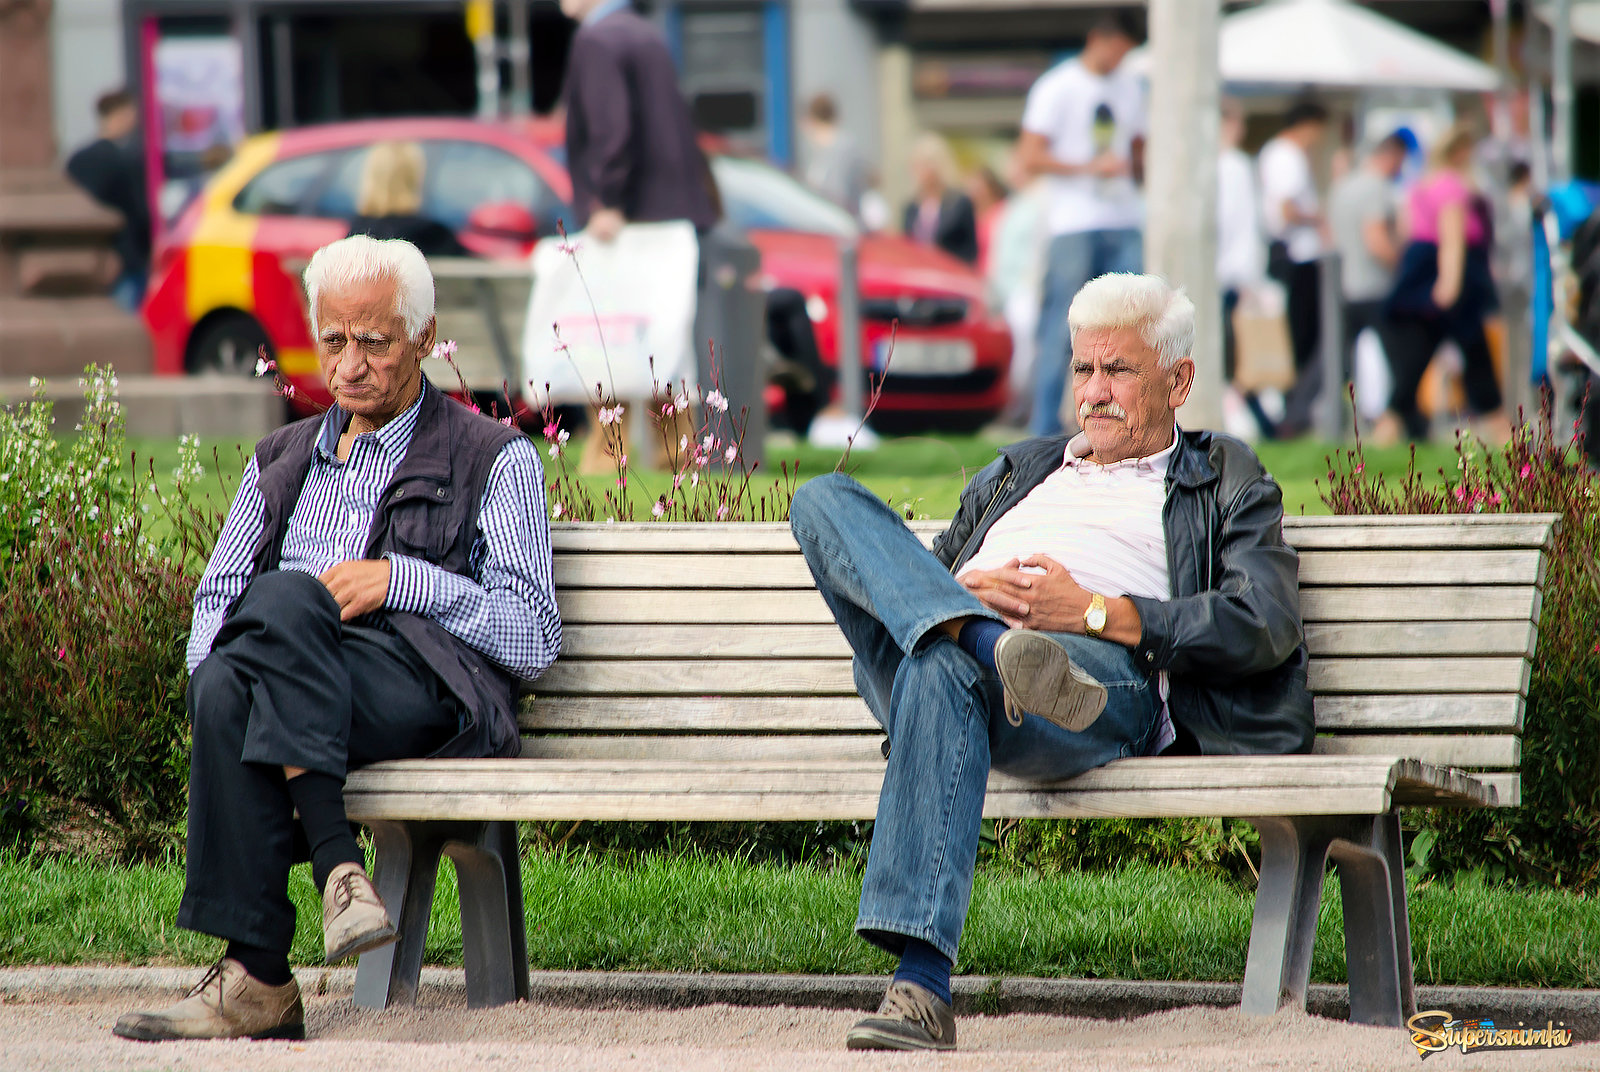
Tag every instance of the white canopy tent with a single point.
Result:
(1334, 44)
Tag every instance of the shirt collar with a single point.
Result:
(1156, 464)
(393, 438)
(610, 7)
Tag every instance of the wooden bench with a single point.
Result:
(702, 678)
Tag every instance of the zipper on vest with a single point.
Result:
(981, 518)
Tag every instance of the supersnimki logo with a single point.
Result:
(1437, 1030)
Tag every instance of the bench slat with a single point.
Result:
(1421, 638)
(790, 641)
(789, 570)
(1429, 535)
(852, 747)
(1418, 603)
(1499, 711)
(624, 714)
(1462, 751)
(710, 677)
(1421, 567)
(1378, 676)
(1507, 786)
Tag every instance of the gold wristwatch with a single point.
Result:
(1094, 619)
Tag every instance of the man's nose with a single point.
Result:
(352, 361)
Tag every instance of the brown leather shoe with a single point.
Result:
(910, 1018)
(353, 917)
(227, 1003)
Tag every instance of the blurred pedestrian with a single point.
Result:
(1015, 274)
(939, 214)
(1297, 234)
(1362, 217)
(632, 150)
(631, 145)
(1241, 250)
(1083, 128)
(1444, 290)
(111, 169)
(389, 201)
(988, 196)
(834, 166)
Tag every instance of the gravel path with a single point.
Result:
(441, 1033)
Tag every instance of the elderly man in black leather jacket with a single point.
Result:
(1123, 592)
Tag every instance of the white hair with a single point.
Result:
(1162, 313)
(359, 259)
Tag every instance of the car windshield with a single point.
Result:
(761, 198)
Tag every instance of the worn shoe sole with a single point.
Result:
(140, 1032)
(881, 1035)
(362, 943)
(1041, 679)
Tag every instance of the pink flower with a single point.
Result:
(682, 401)
(731, 453)
(659, 508)
(1494, 500)
(1361, 468)
(1461, 494)
(677, 481)
(561, 347)
(445, 349)
(569, 248)
(623, 461)
(61, 653)
(1526, 470)
(288, 390)
(552, 429)
(722, 512)
(717, 401)
(507, 420)
(668, 410)
(610, 414)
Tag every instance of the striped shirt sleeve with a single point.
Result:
(507, 608)
(228, 571)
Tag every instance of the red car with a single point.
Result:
(220, 287)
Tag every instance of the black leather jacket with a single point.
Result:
(1230, 637)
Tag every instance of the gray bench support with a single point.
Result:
(1295, 852)
(493, 934)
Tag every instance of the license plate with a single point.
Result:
(926, 357)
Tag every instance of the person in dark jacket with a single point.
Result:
(631, 147)
(940, 214)
(382, 581)
(389, 201)
(1124, 592)
(111, 170)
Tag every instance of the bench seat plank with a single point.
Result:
(1478, 750)
(1457, 711)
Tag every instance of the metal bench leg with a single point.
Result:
(493, 942)
(405, 869)
(1294, 853)
(1372, 887)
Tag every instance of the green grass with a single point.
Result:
(925, 473)
(724, 914)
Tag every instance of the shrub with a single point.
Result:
(94, 617)
(1554, 837)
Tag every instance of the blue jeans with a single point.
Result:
(941, 709)
(1074, 259)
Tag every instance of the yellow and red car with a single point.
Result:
(224, 282)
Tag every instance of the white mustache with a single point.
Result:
(1104, 409)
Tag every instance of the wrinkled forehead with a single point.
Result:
(1103, 345)
(371, 305)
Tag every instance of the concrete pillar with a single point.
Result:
(1180, 238)
(899, 126)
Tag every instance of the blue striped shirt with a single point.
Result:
(506, 609)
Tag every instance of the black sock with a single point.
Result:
(978, 637)
(265, 965)
(320, 800)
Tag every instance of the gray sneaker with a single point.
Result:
(1041, 679)
(910, 1018)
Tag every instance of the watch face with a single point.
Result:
(1096, 618)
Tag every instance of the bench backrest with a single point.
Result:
(711, 642)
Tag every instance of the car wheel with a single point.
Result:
(228, 345)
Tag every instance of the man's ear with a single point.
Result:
(1182, 383)
(426, 340)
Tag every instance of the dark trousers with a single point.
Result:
(1411, 343)
(1305, 339)
(288, 684)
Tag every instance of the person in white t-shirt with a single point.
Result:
(1083, 128)
(1241, 250)
(1298, 233)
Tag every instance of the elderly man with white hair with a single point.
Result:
(1125, 592)
(381, 583)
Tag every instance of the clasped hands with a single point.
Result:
(1051, 601)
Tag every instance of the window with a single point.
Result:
(463, 175)
(761, 198)
(282, 188)
(336, 198)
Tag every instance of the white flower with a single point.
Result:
(694, 480)
(263, 366)
(555, 450)
(682, 401)
(683, 443)
(722, 512)
(717, 401)
(731, 453)
(708, 444)
(555, 511)
(562, 436)
(606, 415)
(658, 509)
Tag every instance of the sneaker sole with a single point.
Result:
(365, 943)
(1041, 679)
(869, 1038)
(290, 1032)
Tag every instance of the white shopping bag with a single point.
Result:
(1373, 379)
(601, 311)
